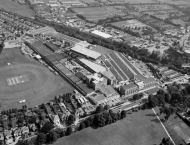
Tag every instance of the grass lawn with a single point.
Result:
(178, 129)
(138, 128)
(23, 10)
(26, 78)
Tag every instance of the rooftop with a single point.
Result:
(97, 68)
(102, 34)
(97, 97)
(129, 86)
(86, 52)
(108, 90)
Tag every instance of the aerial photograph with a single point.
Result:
(94, 72)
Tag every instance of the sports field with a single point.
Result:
(138, 128)
(25, 78)
(14, 7)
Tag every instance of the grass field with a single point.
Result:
(97, 13)
(16, 8)
(138, 128)
(27, 79)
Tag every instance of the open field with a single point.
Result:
(156, 7)
(97, 13)
(180, 21)
(130, 23)
(178, 2)
(138, 128)
(25, 78)
(140, 1)
(16, 8)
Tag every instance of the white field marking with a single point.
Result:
(9, 82)
(13, 80)
(17, 80)
(163, 127)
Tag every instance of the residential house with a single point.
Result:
(1, 136)
(24, 130)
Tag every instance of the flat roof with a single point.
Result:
(52, 46)
(128, 86)
(85, 88)
(107, 90)
(152, 91)
(85, 51)
(102, 34)
(97, 97)
(97, 68)
(147, 80)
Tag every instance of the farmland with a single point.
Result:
(130, 23)
(16, 8)
(27, 79)
(137, 128)
(97, 13)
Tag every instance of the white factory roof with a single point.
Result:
(102, 34)
(85, 51)
(97, 68)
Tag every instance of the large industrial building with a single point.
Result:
(94, 70)
(101, 34)
(85, 52)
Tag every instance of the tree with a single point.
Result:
(62, 133)
(188, 88)
(69, 131)
(99, 109)
(166, 141)
(91, 120)
(52, 136)
(152, 101)
(87, 123)
(135, 97)
(41, 138)
(22, 142)
(106, 107)
(100, 120)
(123, 114)
(47, 127)
(82, 126)
(167, 97)
(71, 119)
(32, 119)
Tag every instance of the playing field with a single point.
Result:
(138, 128)
(25, 78)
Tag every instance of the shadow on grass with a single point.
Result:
(151, 114)
(157, 121)
(94, 127)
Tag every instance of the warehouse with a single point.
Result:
(101, 34)
(52, 46)
(91, 66)
(86, 52)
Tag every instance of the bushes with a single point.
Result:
(69, 131)
(41, 139)
(82, 126)
(52, 137)
(48, 126)
(71, 119)
(123, 114)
